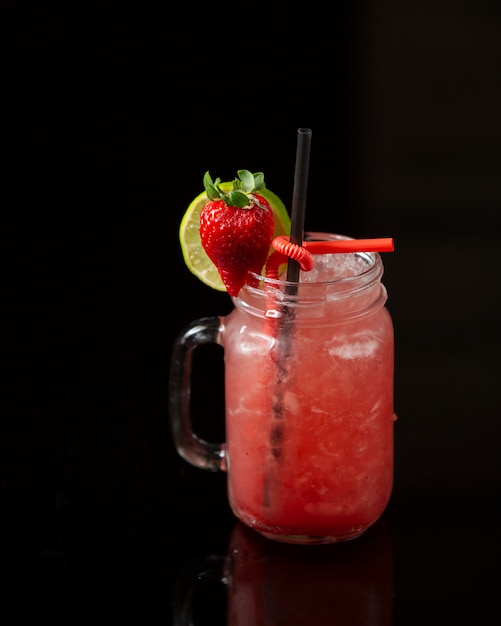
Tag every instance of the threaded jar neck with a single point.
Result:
(339, 288)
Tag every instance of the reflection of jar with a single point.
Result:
(348, 584)
(275, 583)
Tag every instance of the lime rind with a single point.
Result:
(194, 255)
(282, 219)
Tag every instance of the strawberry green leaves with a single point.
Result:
(244, 186)
(249, 182)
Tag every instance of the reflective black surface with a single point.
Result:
(100, 521)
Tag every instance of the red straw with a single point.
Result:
(384, 244)
(286, 251)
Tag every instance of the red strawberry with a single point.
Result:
(236, 228)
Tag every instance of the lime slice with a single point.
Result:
(194, 255)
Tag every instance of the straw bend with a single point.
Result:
(285, 250)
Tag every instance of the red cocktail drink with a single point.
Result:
(309, 400)
(309, 408)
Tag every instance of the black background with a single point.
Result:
(112, 114)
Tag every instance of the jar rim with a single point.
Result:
(347, 297)
(372, 271)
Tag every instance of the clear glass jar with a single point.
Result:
(308, 397)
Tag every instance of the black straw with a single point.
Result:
(284, 343)
(298, 209)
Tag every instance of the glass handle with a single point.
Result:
(197, 451)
